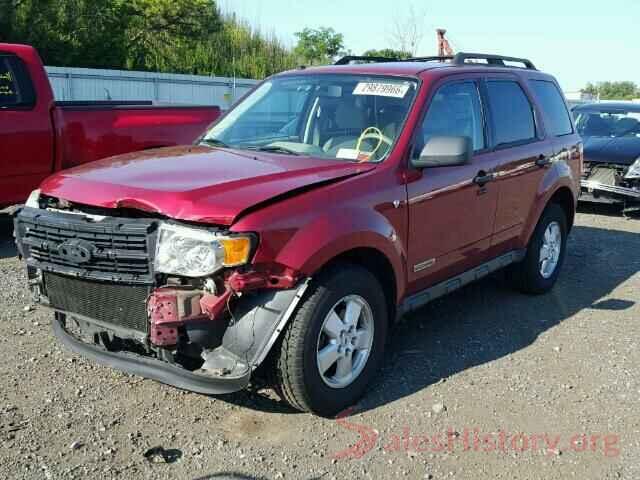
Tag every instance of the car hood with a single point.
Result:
(201, 184)
(621, 150)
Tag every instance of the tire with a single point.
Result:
(530, 275)
(298, 378)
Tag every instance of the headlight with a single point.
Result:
(34, 199)
(634, 170)
(194, 252)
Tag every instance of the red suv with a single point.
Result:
(326, 204)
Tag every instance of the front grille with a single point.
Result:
(119, 248)
(118, 305)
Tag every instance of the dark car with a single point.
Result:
(611, 134)
(326, 204)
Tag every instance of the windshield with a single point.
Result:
(346, 117)
(614, 123)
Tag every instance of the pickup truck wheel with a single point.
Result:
(334, 344)
(539, 270)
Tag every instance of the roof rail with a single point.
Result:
(458, 59)
(355, 58)
(492, 60)
(429, 59)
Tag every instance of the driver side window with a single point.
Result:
(455, 110)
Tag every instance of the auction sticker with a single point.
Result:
(379, 89)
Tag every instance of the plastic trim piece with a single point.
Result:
(420, 299)
(152, 368)
(627, 192)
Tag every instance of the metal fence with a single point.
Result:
(93, 84)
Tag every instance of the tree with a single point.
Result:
(387, 53)
(179, 36)
(613, 90)
(408, 30)
(319, 46)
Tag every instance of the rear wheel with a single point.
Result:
(334, 344)
(539, 270)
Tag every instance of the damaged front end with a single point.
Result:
(114, 304)
(611, 183)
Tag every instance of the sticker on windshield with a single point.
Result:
(353, 154)
(347, 154)
(381, 89)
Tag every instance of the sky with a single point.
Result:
(578, 41)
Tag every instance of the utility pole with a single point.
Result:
(444, 49)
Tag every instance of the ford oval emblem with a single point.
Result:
(76, 251)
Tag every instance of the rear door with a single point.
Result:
(522, 152)
(451, 215)
(26, 134)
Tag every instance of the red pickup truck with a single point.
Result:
(39, 136)
(326, 204)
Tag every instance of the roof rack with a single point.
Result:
(428, 59)
(355, 58)
(492, 60)
(458, 59)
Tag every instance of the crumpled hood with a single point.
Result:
(619, 150)
(200, 184)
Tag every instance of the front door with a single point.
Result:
(451, 209)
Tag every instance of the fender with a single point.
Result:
(559, 176)
(327, 237)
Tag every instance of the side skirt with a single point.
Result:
(423, 297)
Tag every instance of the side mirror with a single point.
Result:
(445, 152)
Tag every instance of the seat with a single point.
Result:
(596, 126)
(350, 121)
(627, 126)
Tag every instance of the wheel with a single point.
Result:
(334, 344)
(539, 270)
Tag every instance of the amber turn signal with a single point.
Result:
(236, 250)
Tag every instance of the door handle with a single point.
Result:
(483, 178)
(543, 161)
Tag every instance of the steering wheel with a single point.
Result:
(371, 133)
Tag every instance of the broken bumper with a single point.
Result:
(601, 192)
(152, 368)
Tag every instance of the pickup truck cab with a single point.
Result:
(39, 136)
(325, 205)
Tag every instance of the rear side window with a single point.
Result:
(554, 107)
(16, 89)
(511, 111)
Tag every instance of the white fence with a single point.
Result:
(92, 84)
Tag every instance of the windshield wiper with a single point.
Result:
(277, 149)
(214, 142)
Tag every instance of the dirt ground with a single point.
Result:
(485, 383)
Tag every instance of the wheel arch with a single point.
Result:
(562, 195)
(379, 265)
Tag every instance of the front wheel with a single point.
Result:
(539, 270)
(334, 344)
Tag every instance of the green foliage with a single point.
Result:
(388, 53)
(613, 90)
(179, 36)
(319, 46)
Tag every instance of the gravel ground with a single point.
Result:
(482, 361)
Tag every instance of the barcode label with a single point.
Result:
(381, 89)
